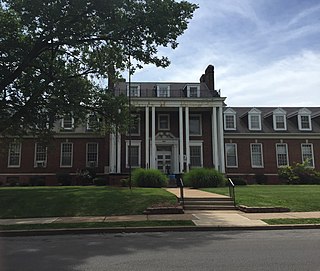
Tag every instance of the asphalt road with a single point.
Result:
(230, 250)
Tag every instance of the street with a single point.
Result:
(225, 250)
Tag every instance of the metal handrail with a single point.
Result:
(181, 185)
(232, 193)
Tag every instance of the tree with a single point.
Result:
(53, 53)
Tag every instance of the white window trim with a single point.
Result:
(197, 144)
(88, 122)
(133, 143)
(262, 160)
(39, 163)
(236, 152)
(138, 88)
(200, 117)
(193, 86)
(234, 122)
(14, 166)
(275, 123)
(68, 166)
(287, 153)
(67, 128)
(168, 91)
(300, 124)
(312, 152)
(87, 162)
(168, 116)
(249, 121)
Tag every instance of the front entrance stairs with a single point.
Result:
(195, 199)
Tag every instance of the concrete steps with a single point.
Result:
(223, 203)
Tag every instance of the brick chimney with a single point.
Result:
(208, 77)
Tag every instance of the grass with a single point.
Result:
(126, 224)
(281, 221)
(24, 202)
(298, 198)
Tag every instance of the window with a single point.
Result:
(134, 90)
(40, 155)
(256, 155)
(279, 119)
(195, 128)
(66, 154)
(196, 155)
(231, 155)
(67, 122)
(163, 91)
(135, 126)
(193, 91)
(92, 155)
(14, 156)
(307, 154)
(304, 120)
(254, 119)
(163, 122)
(229, 122)
(282, 155)
(92, 121)
(134, 151)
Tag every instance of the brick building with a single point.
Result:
(178, 126)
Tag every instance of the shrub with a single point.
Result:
(239, 181)
(299, 174)
(203, 177)
(149, 178)
(64, 178)
(100, 181)
(124, 182)
(261, 179)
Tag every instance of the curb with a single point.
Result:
(21, 233)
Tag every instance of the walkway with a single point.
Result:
(194, 193)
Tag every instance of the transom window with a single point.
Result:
(195, 126)
(256, 155)
(14, 156)
(231, 155)
(196, 155)
(307, 154)
(282, 154)
(66, 154)
(92, 155)
(40, 155)
(164, 122)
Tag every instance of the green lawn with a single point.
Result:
(299, 198)
(282, 221)
(22, 202)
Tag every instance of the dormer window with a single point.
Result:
(163, 90)
(279, 120)
(229, 119)
(92, 121)
(67, 122)
(134, 90)
(193, 91)
(304, 120)
(254, 119)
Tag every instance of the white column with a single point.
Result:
(215, 138)
(119, 153)
(221, 140)
(153, 138)
(187, 138)
(181, 137)
(112, 153)
(147, 138)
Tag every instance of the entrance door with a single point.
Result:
(164, 160)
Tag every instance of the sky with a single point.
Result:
(265, 52)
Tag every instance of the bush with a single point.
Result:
(100, 181)
(149, 178)
(261, 179)
(239, 181)
(37, 181)
(124, 182)
(64, 178)
(204, 177)
(299, 174)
